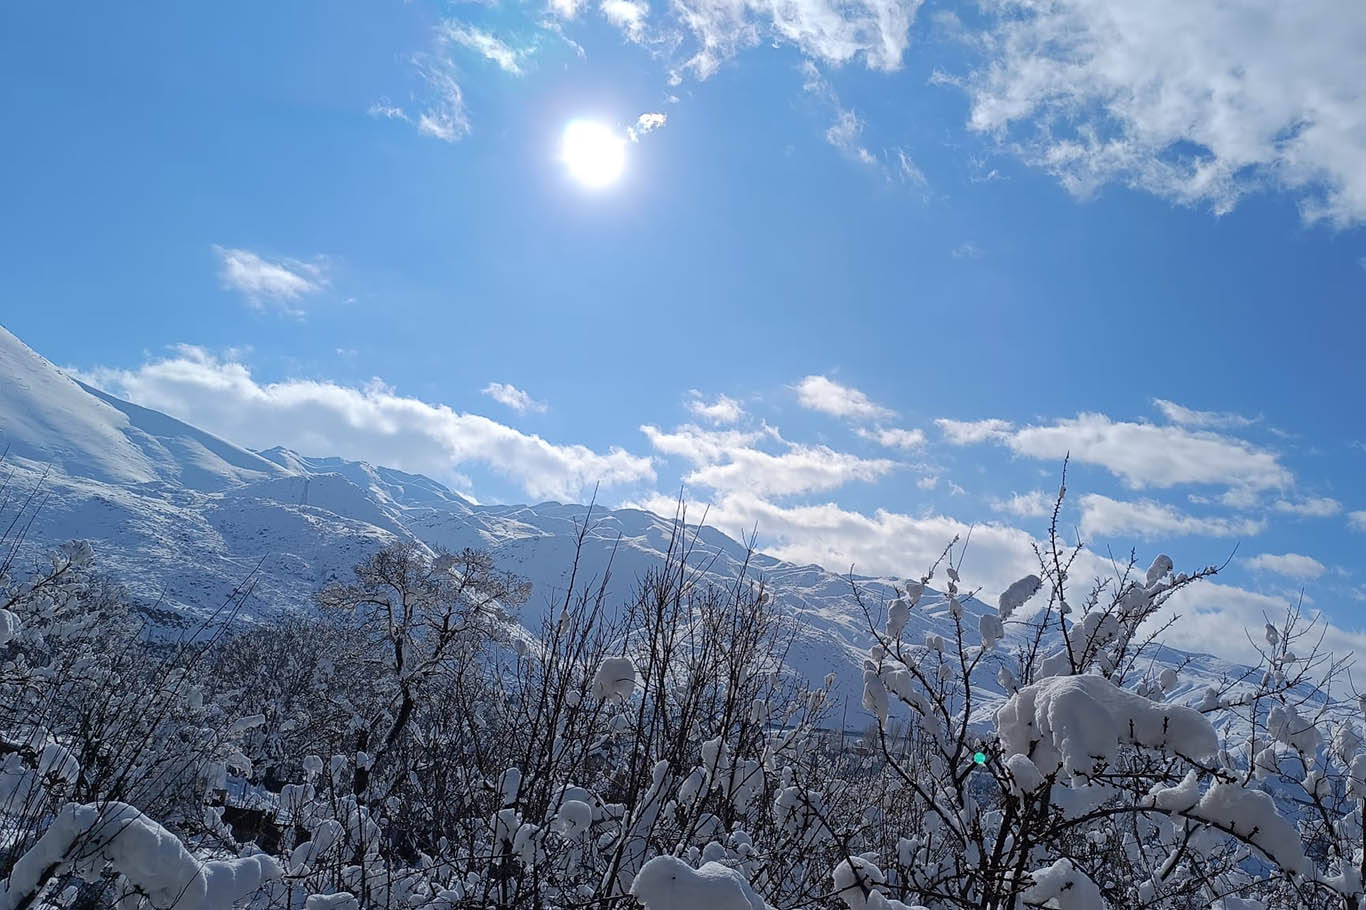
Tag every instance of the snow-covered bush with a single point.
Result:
(408, 744)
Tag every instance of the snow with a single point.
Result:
(668, 883)
(1078, 722)
(1159, 569)
(48, 417)
(9, 627)
(857, 882)
(1065, 887)
(1015, 596)
(616, 676)
(181, 518)
(1252, 814)
(150, 857)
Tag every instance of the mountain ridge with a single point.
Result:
(182, 518)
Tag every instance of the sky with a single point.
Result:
(869, 271)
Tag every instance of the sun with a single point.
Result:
(594, 153)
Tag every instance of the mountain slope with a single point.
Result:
(47, 417)
(183, 518)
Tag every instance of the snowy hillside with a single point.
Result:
(183, 517)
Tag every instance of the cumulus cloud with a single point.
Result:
(820, 393)
(729, 460)
(1291, 565)
(1197, 101)
(1357, 520)
(1313, 507)
(1211, 615)
(722, 410)
(646, 123)
(513, 397)
(270, 282)
(893, 437)
(372, 423)
(883, 543)
(1142, 455)
(1034, 504)
(1102, 516)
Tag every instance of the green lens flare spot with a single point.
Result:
(979, 757)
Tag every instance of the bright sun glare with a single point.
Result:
(594, 154)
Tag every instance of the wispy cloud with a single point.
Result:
(1357, 520)
(1190, 417)
(875, 32)
(485, 44)
(845, 133)
(821, 393)
(444, 116)
(513, 397)
(281, 283)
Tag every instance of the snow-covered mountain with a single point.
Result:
(182, 518)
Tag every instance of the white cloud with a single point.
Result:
(513, 397)
(1102, 516)
(845, 133)
(371, 423)
(727, 460)
(1192, 418)
(893, 437)
(967, 250)
(1313, 507)
(830, 32)
(386, 110)
(630, 16)
(1357, 520)
(646, 123)
(1199, 101)
(1034, 504)
(279, 282)
(485, 44)
(1213, 616)
(883, 543)
(1291, 565)
(820, 393)
(1146, 455)
(444, 116)
(970, 432)
(723, 410)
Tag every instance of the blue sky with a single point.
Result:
(1130, 234)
